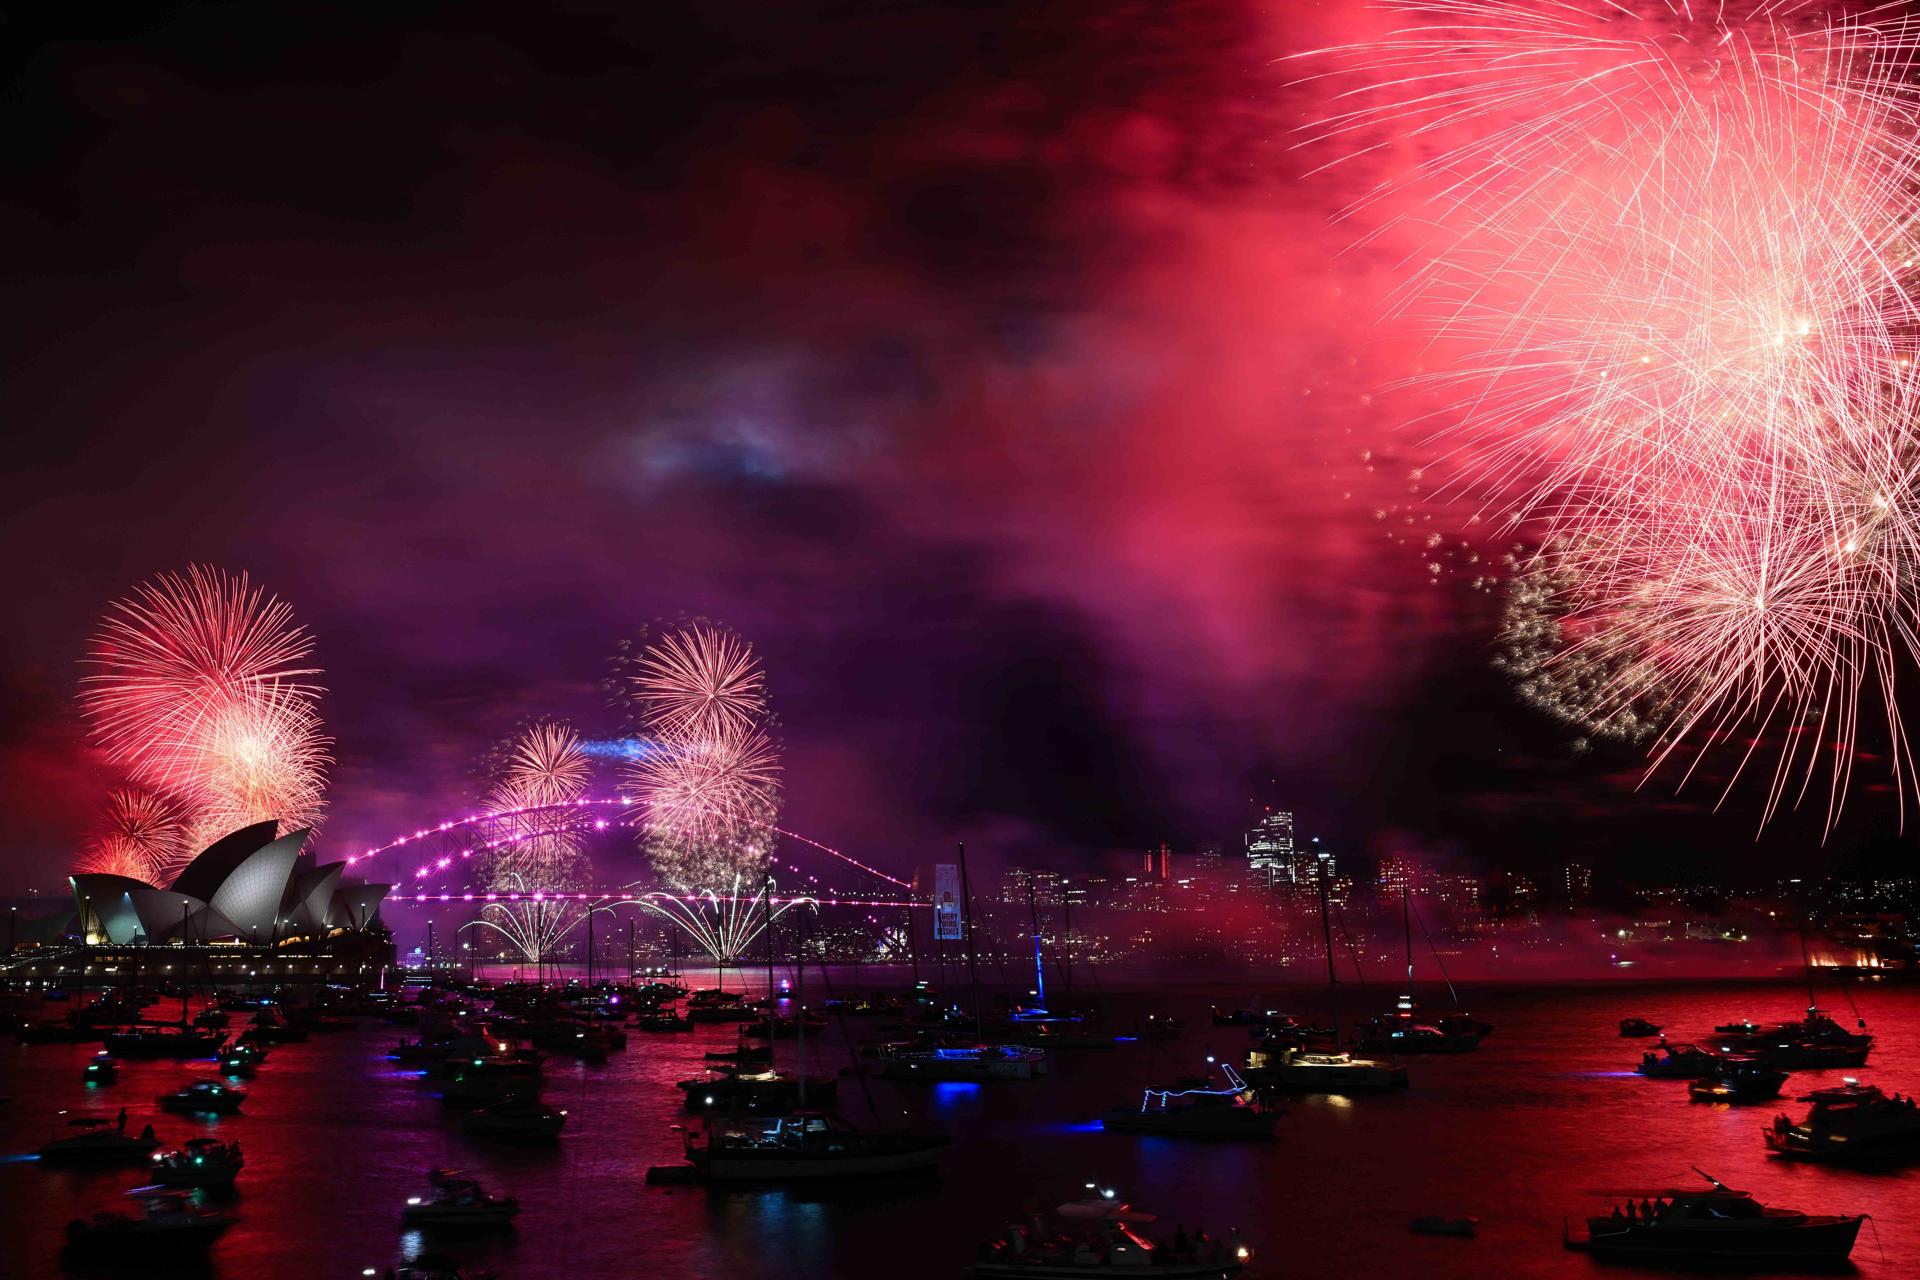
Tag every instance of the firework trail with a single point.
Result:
(142, 838)
(544, 765)
(198, 686)
(1667, 263)
(708, 787)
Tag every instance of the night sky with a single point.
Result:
(1000, 372)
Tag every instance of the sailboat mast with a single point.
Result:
(1326, 937)
(966, 905)
(1406, 926)
(800, 1006)
(1039, 969)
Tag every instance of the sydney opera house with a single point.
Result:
(249, 887)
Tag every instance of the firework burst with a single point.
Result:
(543, 766)
(142, 838)
(707, 785)
(1669, 260)
(199, 686)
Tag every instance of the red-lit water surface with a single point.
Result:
(337, 1137)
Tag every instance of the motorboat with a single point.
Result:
(487, 1080)
(1718, 1225)
(1678, 1062)
(1100, 1236)
(807, 1147)
(973, 1062)
(758, 1091)
(522, 1119)
(165, 1042)
(1638, 1028)
(1814, 1043)
(98, 1143)
(1850, 1122)
(237, 1065)
(102, 1068)
(1232, 1112)
(204, 1097)
(1738, 1080)
(719, 1006)
(1404, 1035)
(421, 1050)
(167, 1224)
(211, 1019)
(1293, 1069)
(202, 1162)
(459, 1203)
(662, 1020)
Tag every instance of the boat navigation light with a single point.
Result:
(413, 1199)
(1850, 1080)
(1106, 1193)
(1090, 1186)
(1243, 1253)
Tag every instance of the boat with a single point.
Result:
(204, 1097)
(808, 1147)
(1100, 1236)
(1237, 1018)
(1801, 1056)
(662, 1020)
(1232, 1112)
(1289, 1068)
(522, 1119)
(760, 1091)
(69, 1032)
(1850, 1122)
(1439, 1225)
(203, 1162)
(1718, 1225)
(1638, 1028)
(746, 1053)
(211, 1020)
(1678, 1062)
(102, 1068)
(430, 1266)
(99, 1144)
(164, 1042)
(1738, 1080)
(233, 1065)
(973, 1062)
(719, 1006)
(1400, 1033)
(459, 1203)
(167, 1224)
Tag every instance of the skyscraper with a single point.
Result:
(1270, 848)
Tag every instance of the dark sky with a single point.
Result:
(996, 370)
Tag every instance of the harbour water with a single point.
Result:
(337, 1137)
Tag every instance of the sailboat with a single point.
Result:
(1285, 1063)
(1403, 1031)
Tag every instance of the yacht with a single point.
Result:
(521, 1118)
(1852, 1121)
(459, 1203)
(1718, 1225)
(167, 1224)
(974, 1062)
(203, 1162)
(1293, 1069)
(1678, 1062)
(97, 1143)
(662, 1020)
(1201, 1112)
(164, 1042)
(204, 1097)
(719, 1006)
(102, 1068)
(758, 1091)
(1638, 1028)
(811, 1146)
(1738, 1080)
(1815, 1042)
(1100, 1236)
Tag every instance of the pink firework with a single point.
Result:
(198, 685)
(707, 783)
(1667, 259)
(182, 650)
(142, 839)
(698, 679)
(545, 765)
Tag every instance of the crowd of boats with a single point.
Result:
(760, 1113)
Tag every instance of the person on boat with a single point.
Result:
(1781, 1124)
(1646, 1209)
(1617, 1215)
(1180, 1241)
(120, 1125)
(146, 1134)
(1633, 1212)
